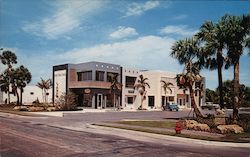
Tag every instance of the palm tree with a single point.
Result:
(8, 58)
(24, 79)
(45, 85)
(214, 38)
(186, 52)
(166, 86)
(141, 87)
(4, 83)
(20, 78)
(114, 87)
(238, 37)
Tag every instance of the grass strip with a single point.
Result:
(154, 124)
(223, 139)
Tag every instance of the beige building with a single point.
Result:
(155, 97)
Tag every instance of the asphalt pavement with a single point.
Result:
(23, 138)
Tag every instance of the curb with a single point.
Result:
(168, 138)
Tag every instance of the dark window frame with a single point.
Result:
(130, 81)
(151, 101)
(81, 77)
(99, 75)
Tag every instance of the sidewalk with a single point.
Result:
(151, 137)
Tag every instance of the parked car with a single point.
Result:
(173, 107)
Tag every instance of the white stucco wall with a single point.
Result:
(28, 97)
(156, 90)
(129, 92)
(59, 83)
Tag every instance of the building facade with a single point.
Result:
(91, 83)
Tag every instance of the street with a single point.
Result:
(24, 137)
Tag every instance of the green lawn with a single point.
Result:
(155, 124)
(169, 124)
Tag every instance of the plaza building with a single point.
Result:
(91, 83)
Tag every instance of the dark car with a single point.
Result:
(173, 107)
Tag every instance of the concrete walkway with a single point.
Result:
(153, 138)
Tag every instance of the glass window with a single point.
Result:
(87, 100)
(163, 100)
(109, 76)
(130, 81)
(130, 100)
(187, 98)
(171, 98)
(99, 76)
(151, 100)
(180, 102)
(83, 76)
(109, 101)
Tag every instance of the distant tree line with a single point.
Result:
(13, 79)
(244, 95)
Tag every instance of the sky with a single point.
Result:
(132, 33)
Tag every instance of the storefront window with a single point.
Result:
(87, 100)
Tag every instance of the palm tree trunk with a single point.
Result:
(17, 95)
(21, 96)
(220, 63)
(46, 98)
(8, 97)
(140, 107)
(114, 101)
(236, 91)
(196, 109)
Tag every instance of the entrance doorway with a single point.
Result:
(99, 100)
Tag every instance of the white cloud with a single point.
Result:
(123, 32)
(148, 52)
(136, 9)
(182, 30)
(68, 15)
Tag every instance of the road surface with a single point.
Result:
(20, 138)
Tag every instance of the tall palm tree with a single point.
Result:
(166, 86)
(188, 52)
(24, 79)
(8, 58)
(238, 37)
(114, 87)
(4, 83)
(45, 85)
(20, 78)
(214, 38)
(141, 87)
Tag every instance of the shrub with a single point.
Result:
(66, 102)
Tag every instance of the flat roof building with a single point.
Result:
(91, 82)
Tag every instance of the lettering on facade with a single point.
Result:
(87, 91)
(60, 75)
